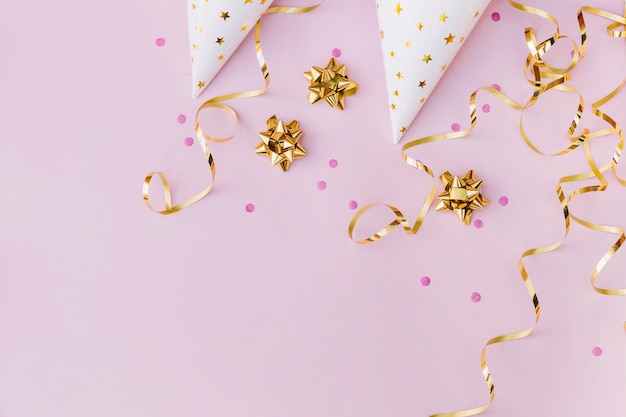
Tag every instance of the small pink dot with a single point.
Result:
(353, 205)
(160, 41)
(475, 297)
(496, 86)
(486, 108)
(478, 224)
(181, 118)
(336, 52)
(425, 281)
(495, 16)
(503, 201)
(596, 351)
(455, 127)
(333, 163)
(188, 141)
(321, 185)
(250, 207)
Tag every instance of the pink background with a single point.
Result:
(107, 309)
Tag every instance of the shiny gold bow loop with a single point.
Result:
(330, 84)
(281, 142)
(217, 102)
(461, 195)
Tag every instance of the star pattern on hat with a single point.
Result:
(419, 40)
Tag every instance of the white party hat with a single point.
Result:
(216, 28)
(419, 40)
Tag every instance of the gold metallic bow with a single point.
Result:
(281, 142)
(461, 195)
(330, 84)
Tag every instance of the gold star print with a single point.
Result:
(263, 1)
(193, 60)
(476, 14)
(422, 100)
(220, 40)
(422, 84)
(396, 93)
(398, 9)
(244, 27)
(403, 129)
(198, 28)
(281, 142)
(427, 58)
(195, 46)
(224, 16)
(407, 44)
(201, 84)
(449, 38)
(247, 2)
(330, 84)
(443, 68)
(443, 17)
(420, 26)
(382, 34)
(392, 54)
(399, 75)
(393, 106)
(461, 39)
(193, 6)
(461, 195)
(220, 57)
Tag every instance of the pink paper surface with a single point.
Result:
(107, 309)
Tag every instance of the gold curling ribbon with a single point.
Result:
(216, 102)
(595, 172)
(544, 78)
(534, 66)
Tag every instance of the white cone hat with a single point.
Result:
(419, 40)
(216, 28)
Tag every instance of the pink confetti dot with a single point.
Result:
(333, 163)
(181, 118)
(336, 52)
(596, 351)
(455, 127)
(353, 205)
(503, 201)
(321, 185)
(475, 297)
(478, 224)
(486, 108)
(250, 207)
(495, 16)
(160, 41)
(425, 281)
(496, 86)
(572, 53)
(188, 141)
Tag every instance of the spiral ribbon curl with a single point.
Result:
(543, 77)
(217, 102)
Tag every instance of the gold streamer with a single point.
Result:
(543, 77)
(216, 102)
(595, 172)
